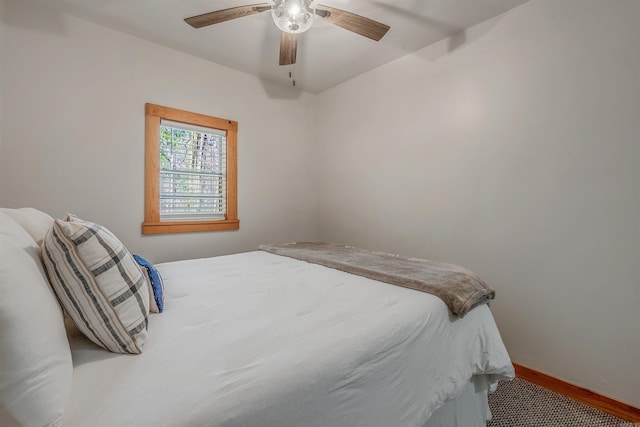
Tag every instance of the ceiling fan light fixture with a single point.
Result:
(293, 16)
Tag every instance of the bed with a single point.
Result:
(258, 339)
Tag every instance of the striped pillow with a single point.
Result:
(98, 283)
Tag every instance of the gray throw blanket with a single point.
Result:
(458, 287)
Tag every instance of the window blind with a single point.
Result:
(193, 174)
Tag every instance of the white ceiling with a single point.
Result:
(327, 54)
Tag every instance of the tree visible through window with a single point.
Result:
(190, 172)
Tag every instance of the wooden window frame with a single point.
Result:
(152, 224)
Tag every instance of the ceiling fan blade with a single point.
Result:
(288, 48)
(350, 21)
(226, 14)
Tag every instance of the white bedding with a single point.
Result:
(257, 339)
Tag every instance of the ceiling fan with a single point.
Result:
(294, 17)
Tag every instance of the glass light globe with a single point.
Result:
(293, 16)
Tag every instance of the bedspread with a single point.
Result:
(258, 339)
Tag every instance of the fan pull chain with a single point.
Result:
(292, 74)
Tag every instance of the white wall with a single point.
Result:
(74, 133)
(512, 149)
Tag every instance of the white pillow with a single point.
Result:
(35, 360)
(35, 222)
(98, 283)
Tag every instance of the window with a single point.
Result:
(193, 176)
(190, 172)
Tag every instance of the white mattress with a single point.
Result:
(257, 339)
